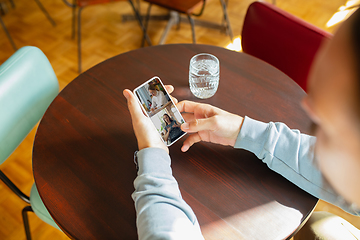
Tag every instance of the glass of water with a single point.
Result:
(204, 75)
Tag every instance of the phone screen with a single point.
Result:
(159, 107)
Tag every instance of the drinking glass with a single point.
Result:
(204, 72)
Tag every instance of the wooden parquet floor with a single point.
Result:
(104, 35)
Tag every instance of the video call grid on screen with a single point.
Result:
(157, 108)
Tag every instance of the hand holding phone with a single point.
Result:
(145, 132)
(160, 108)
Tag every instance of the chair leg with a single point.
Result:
(3, 8)
(226, 17)
(14, 188)
(172, 20)
(45, 12)
(12, 3)
(73, 20)
(192, 28)
(137, 3)
(146, 24)
(178, 22)
(140, 23)
(26, 221)
(223, 22)
(7, 34)
(79, 39)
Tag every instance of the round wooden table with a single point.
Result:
(83, 151)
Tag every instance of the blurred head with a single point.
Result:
(167, 118)
(333, 103)
(152, 90)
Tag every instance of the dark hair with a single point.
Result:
(171, 120)
(152, 87)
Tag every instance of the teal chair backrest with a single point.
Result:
(28, 85)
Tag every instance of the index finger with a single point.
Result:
(187, 106)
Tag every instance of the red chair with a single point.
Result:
(80, 4)
(281, 39)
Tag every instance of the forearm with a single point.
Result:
(166, 135)
(161, 211)
(289, 153)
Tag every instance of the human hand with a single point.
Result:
(166, 135)
(209, 124)
(145, 131)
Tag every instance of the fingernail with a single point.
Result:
(126, 94)
(184, 148)
(185, 126)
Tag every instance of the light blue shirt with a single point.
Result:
(163, 214)
(161, 211)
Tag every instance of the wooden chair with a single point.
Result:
(80, 4)
(178, 6)
(281, 39)
(29, 85)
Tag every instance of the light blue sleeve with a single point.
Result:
(289, 153)
(161, 211)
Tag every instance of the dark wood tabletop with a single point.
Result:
(83, 151)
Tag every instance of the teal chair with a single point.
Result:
(27, 87)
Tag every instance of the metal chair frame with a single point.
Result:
(174, 18)
(23, 197)
(74, 6)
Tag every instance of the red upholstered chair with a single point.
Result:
(281, 39)
(80, 4)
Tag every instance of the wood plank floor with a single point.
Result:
(104, 35)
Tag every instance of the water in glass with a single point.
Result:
(204, 75)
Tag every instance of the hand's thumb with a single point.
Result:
(133, 105)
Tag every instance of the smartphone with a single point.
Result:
(159, 107)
